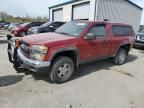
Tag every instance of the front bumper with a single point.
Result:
(33, 65)
(19, 60)
(139, 44)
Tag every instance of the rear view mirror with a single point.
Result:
(90, 36)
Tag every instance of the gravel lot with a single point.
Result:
(96, 85)
(3, 34)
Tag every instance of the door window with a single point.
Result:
(119, 30)
(98, 31)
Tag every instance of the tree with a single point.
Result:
(10, 18)
(3, 15)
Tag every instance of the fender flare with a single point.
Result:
(74, 49)
(121, 46)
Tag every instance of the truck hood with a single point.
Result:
(46, 38)
(17, 28)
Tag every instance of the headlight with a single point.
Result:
(138, 37)
(38, 52)
(17, 43)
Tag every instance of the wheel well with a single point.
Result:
(22, 31)
(126, 47)
(71, 54)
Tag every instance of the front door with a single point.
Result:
(100, 46)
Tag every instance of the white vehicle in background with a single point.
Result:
(6, 26)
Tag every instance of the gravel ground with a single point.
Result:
(3, 34)
(96, 85)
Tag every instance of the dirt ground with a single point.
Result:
(96, 85)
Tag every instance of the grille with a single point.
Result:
(25, 50)
(25, 43)
(139, 42)
(142, 37)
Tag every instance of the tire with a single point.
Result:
(120, 58)
(62, 70)
(22, 34)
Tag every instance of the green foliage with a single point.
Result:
(9, 18)
(17, 19)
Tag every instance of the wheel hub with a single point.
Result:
(122, 57)
(64, 70)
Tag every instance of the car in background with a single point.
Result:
(46, 27)
(139, 40)
(7, 25)
(2, 23)
(13, 25)
(21, 30)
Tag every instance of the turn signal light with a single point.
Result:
(17, 43)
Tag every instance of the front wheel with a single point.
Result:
(22, 33)
(120, 58)
(62, 70)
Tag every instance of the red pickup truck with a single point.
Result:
(74, 43)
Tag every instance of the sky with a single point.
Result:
(38, 7)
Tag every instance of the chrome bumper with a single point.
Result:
(33, 65)
(20, 61)
(139, 44)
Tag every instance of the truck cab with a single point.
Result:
(76, 42)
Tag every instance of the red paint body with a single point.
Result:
(17, 30)
(87, 49)
(24, 28)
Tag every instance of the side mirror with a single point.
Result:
(90, 36)
(52, 28)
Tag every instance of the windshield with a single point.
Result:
(24, 24)
(45, 24)
(73, 28)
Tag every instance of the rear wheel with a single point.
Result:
(62, 70)
(120, 58)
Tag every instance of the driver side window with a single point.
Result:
(98, 31)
